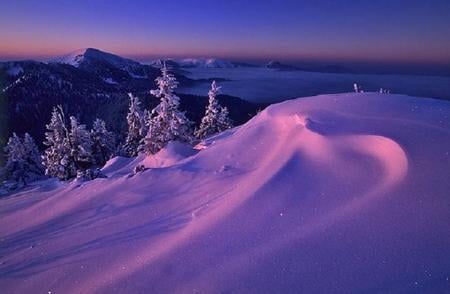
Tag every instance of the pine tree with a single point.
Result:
(23, 159)
(216, 118)
(136, 127)
(147, 118)
(81, 145)
(147, 121)
(56, 158)
(167, 122)
(102, 142)
(224, 122)
(15, 162)
(33, 156)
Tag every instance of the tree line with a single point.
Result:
(74, 151)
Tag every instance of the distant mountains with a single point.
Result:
(89, 83)
(183, 65)
(188, 63)
(280, 66)
(82, 57)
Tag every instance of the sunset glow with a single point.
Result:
(365, 31)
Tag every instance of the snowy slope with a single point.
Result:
(73, 58)
(329, 194)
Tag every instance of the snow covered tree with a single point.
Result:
(15, 162)
(57, 158)
(102, 142)
(216, 118)
(147, 121)
(80, 145)
(147, 118)
(357, 88)
(22, 160)
(32, 156)
(167, 122)
(136, 127)
(224, 121)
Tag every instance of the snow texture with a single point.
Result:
(329, 194)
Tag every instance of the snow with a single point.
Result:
(15, 83)
(73, 58)
(77, 57)
(110, 81)
(135, 76)
(333, 193)
(172, 154)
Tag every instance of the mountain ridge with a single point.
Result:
(96, 86)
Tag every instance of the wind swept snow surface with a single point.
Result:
(329, 194)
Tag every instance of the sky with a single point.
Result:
(382, 31)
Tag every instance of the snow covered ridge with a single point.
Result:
(200, 63)
(335, 193)
(73, 58)
(77, 57)
(208, 62)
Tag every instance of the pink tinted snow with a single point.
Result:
(334, 193)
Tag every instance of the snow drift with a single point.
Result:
(334, 193)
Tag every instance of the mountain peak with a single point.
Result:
(73, 58)
(78, 57)
(206, 63)
(280, 66)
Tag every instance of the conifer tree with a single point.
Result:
(15, 162)
(32, 155)
(22, 159)
(80, 145)
(224, 121)
(167, 122)
(136, 127)
(102, 142)
(56, 158)
(216, 118)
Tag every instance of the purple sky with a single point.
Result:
(402, 31)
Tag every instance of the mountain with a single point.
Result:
(83, 56)
(207, 63)
(171, 64)
(105, 64)
(280, 66)
(187, 63)
(88, 83)
(327, 194)
(318, 68)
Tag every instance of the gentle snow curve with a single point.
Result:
(341, 192)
